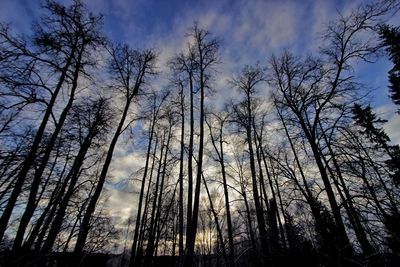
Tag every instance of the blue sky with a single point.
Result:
(250, 31)
(259, 27)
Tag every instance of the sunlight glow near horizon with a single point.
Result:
(251, 31)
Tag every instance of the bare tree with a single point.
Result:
(154, 118)
(61, 39)
(130, 70)
(247, 82)
(218, 144)
(98, 116)
(205, 50)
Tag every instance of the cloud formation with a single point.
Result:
(250, 32)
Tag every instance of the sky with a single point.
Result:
(250, 31)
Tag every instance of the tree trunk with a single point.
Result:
(219, 232)
(220, 153)
(73, 177)
(42, 219)
(146, 206)
(257, 204)
(84, 228)
(182, 149)
(192, 227)
(30, 206)
(150, 241)
(347, 201)
(30, 158)
(160, 196)
(315, 210)
(139, 212)
(274, 219)
(189, 211)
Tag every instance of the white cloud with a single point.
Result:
(121, 205)
(251, 31)
(125, 162)
(393, 128)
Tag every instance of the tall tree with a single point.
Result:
(96, 122)
(206, 57)
(130, 70)
(364, 117)
(185, 67)
(218, 144)
(368, 121)
(61, 39)
(299, 86)
(87, 39)
(391, 41)
(154, 118)
(247, 82)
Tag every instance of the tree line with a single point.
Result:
(294, 168)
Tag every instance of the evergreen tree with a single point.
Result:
(391, 41)
(364, 117)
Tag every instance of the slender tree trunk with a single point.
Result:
(274, 219)
(393, 205)
(316, 211)
(71, 233)
(36, 229)
(30, 207)
(144, 63)
(150, 241)
(227, 204)
(263, 190)
(189, 211)
(191, 235)
(257, 204)
(228, 213)
(182, 148)
(343, 240)
(147, 203)
(174, 234)
(30, 158)
(138, 216)
(249, 222)
(284, 230)
(84, 228)
(221, 160)
(34, 234)
(347, 200)
(164, 220)
(160, 196)
(48, 215)
(219, 232)
(73, 177)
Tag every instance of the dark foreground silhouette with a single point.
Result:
(69, 259)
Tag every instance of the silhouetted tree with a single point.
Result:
(130, 70)
(247, 82)
(391, 42)
(154, 118)
(61, 41)
(95, 123)
(205, 51)
(367, 120)
(218, 144)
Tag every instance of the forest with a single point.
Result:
(292, 168)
